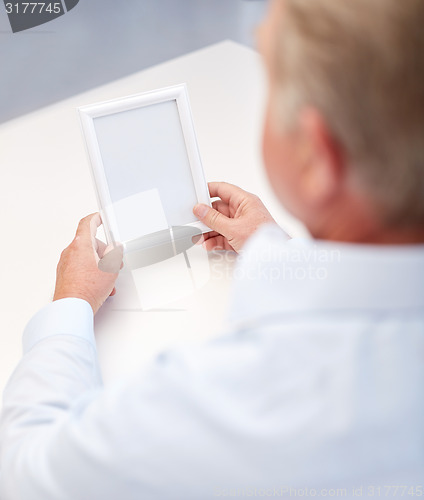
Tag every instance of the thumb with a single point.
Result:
(87, 228)
(213, 219)
(111, 261)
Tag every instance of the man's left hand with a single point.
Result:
(78, 274)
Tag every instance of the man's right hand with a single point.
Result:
(233, 218)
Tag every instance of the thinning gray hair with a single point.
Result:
(361, 64)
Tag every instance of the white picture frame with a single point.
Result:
(112, 130)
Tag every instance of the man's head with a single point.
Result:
(344, 133)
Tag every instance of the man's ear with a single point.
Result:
(321, 162)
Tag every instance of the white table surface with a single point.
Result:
(46, 188)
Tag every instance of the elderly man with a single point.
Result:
(317, 388)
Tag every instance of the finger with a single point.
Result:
(87, 228)
(213, 219)
(221, 207)
(210, 235)
(100, 247)
(111, 262)
(204, 237)
(217, 243)
(113, 292)
(197, 239)
(227, 192)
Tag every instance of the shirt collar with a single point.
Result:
(274, 275)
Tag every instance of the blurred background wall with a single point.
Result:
(102, 40)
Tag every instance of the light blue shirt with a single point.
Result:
(315, 390)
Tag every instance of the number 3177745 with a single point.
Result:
(33, 8)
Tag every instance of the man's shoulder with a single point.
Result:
(277, 276)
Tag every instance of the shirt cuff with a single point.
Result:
(63, 317)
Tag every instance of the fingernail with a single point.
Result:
(201, 210)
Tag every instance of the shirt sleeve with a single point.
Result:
(59, 366)
(160, 434)
(72, 317)
(64, 437)
(188, 426)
